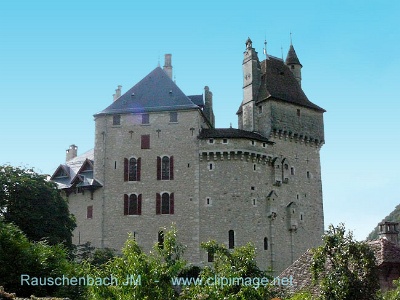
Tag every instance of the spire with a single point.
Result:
(291, 58)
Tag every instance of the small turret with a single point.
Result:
(72, 152)
(292, 61)
(389, 231)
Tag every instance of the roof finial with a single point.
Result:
(282, 51)
(291, 44)
(265, 48)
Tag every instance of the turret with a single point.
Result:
(389, 231)
(292, 61)
(251, 85)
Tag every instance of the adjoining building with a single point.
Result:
(158, 159)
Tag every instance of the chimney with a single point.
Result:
(389, 231)
(72, 152)
(167, 65)
(208, 105)
(117, 93)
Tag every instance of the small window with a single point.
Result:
(208, 201)
(301, 217)
(145, 119)
(254, 202)
(292, 66)
(224, 141)
(254, 167)
(145, 141)
(115, 165)
(116, 120)
(298, 112)
(231, 237)
(260, 109)
(291, 171)
(264, 145)
(297, 196)
(211, 141)
(160, 239)
(173, 117)
(211, 166)
(253, 143)
(308, 175)
(89, 212)
(210, 257)
(265, 243)
(253, 188)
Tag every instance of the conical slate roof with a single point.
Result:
(291, 58)
(155, 92)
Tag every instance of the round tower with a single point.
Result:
(292, 61)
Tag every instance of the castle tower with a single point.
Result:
(389, 231)
(251, 85)
(292, 61)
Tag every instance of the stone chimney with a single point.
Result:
(72, 152)
(389, 231)
(167, 65)
(117, 93)
(208, 105)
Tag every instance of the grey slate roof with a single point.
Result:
(197, 99)
(279, 83)
(155, 92)
(291, 57)
(72, 168)
(231, 133)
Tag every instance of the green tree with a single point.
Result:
(35, 205)
(344, 269)
(240, 264)
(22, 259)
(151, 274)
(393, 294)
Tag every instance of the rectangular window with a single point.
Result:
(298, 112)
(211, 141)
(224, 141)
(308, 175)
(145, 141)
(116, 120)
(210, 256)
(145, 119)
(89, 212)
(173, 117)
(291, 171)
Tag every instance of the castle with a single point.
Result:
(158, 160)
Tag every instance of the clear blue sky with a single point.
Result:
(60, 62)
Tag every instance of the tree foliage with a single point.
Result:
(19, 256)
(344, 269)
(35, 205)
(227, 265)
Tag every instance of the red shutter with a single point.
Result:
(89, 213)
(145, 141)
(171, 168)
(171, 203)
(126, 169)
(158, 204)
(158, 168)
(138, 167)
(139, 204)
(126, 201)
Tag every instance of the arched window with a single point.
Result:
(132, 169)
(133, 204)
(165, 168)
(165, 204)
(265, 243)
(231, 235)
(160, 239)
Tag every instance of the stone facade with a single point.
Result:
(260, 183)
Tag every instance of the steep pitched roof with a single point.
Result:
(155, 92)
(385, 251)
(197, 99)
(231, 133)
(278, 82)
(291, 58)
